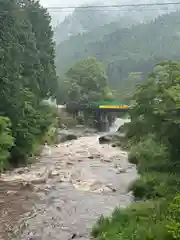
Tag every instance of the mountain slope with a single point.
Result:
(135, 49)
(81, 21)
(89, 17)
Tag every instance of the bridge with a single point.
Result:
(99, 111)
(102, 106)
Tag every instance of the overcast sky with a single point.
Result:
(58, 15)
(63, 2)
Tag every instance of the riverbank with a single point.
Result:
(67, 191)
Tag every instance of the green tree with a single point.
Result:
(88, 81)
(41, 27)
(22, 82)
(156, 108)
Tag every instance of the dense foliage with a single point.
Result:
(27, 74)
(154, 137)
(6, 141)
(87, 81)
(84, 83)
(135, 49)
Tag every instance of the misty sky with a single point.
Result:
(63, 2)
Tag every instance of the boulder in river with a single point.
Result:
(114, 145)
(54, 173)
(67, 137)
(105, 139)
(121, 170)
(40, 180)
(70, 137)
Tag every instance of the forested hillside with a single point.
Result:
(125, 50)
(28, 76)
(88, 17)
(81, 21)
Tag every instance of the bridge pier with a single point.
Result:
(104, 123)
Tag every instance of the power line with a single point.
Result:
(115, 6)
(114, 10)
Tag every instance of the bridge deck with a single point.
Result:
(96, 107)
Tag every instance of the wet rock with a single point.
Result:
(38, 181)
(77, 235)
(121, 170)
(116, 165)
(27, 185)
(114, 145)
(130, 166)
(63, 126)
(105, 139)
(103, 189)
(79, 126)
(70, 163)
(71, 137)
(59, 208)
(96, 155)
(111, 188)
(107, 160)
(53, 174)
(108, 138)
(67, 137)
(73, 236)
(80, 160)
(61, 180)
(90, 186)
(11, 192)
(21, 170)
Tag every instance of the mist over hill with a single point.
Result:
(83, 20)
(123, 50)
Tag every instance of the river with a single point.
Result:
(62, 195)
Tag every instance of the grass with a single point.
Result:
(140, 221)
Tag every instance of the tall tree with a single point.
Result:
(22, 82)
(157, 106)
(41, 27)
(87, 81)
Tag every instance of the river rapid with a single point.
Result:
(62, 195)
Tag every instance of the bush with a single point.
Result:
(154, 185)
(6, 141)
(174, 218)
(149, 155)
(31, 131)
(145, 221)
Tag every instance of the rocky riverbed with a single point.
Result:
(62, 195)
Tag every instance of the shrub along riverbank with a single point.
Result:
(153, 138)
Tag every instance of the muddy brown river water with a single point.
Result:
(62, 195)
